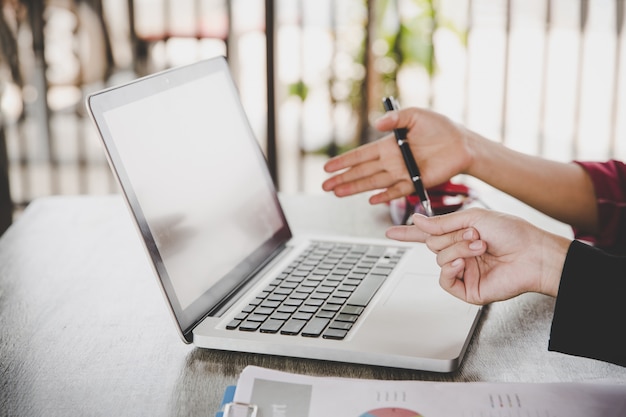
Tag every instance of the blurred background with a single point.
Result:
(541, 76)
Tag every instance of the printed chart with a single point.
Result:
(391, 412)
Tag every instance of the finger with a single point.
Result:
(399, 189)
(372, 182)
(472, 283)
(439, 225)
(463, 249)
(396, 119)
(356, 156)
(406, 234)
(355, 173)
(387, 122)
(439, 242)
(451, 278)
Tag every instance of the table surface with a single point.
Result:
(84, 329)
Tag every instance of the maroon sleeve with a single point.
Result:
(609, 182)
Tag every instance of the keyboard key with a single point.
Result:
(325, 314)
(314, 302)
(350, 318)
(296, 302)
(316, 278)
(309, 309)
(286, 309)
(257, 317)
(263, 310)
(233, 324)
(276, 297)
(336, 300)
(315, 327)
(340, 325)
(342, 294)
(271, 326)
(321, 293)
(335, 334)
(256, 301)
(331, 307)
(302, 316)
(270, 304)
(280, 316)
(249, 326)
(346, 287)
(366, 290)
(381, 270)
(292, 327)
(305, 290)
(283, 290)
(352, 310)
(299, 296)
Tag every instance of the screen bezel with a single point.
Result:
(98, 104)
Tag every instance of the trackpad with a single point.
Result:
(414, 287)
(418, 316)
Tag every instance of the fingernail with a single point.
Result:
(456, 262)
(468, 235)
(475, 245)
(392, 115)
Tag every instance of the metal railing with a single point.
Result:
(543, 76)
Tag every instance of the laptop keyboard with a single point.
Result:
(322, 293)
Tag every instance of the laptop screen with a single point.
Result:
(195, 180)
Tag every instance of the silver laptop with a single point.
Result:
(234, 277)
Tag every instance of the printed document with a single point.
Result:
(281, 394)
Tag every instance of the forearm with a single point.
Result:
(563, 191)
(590, 305)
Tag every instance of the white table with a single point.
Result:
(84, 329)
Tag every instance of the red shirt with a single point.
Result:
(609, 182)
(590, 306)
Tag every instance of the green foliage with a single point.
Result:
(407, 39)
(299, 89)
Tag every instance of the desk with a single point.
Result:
(84, 329)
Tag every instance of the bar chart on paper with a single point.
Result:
(315, 396)
(391, 412)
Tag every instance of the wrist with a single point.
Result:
(554, 250)
(479, 151)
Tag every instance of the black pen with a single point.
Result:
(390, 104)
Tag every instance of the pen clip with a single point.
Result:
(390, 103)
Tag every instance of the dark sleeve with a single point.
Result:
(609, 184)
(590, 307)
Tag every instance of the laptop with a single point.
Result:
(233, 274)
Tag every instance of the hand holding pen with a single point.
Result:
(391, 104)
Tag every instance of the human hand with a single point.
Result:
(440, 148)
(486, 256)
